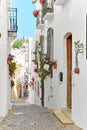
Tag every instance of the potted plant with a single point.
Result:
(53, 62)
(76, 69)
(12, 68)
(43, 73)
(49, 9)
(34, 1)
(35, 69)
(41, 1)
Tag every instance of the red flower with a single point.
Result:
(10, 57)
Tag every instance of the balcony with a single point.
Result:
(12, 22)
(60, 2)
(47, 9)
(39, 21)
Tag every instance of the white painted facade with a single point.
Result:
(69, 18)
(34, 96)
(4, 51)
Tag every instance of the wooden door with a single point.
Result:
(69, 71)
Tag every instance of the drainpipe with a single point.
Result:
(42, 96)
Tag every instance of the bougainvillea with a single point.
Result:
(11, 65)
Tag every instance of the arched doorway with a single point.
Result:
(69, 70)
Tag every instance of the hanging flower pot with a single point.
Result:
(41, 1)
(35, 69)
(76, 70)
(55, 66)
(35, 13)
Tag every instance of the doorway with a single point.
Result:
(69, 70)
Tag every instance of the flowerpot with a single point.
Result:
(35, 69)
(50, 10)
(55, 66)
(76, 70)
(41, 1)
(35, 13)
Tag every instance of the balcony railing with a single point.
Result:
(47, 9)
(12, 22)
(39, 20)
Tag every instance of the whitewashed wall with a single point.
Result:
(69, 18)
(4, 88)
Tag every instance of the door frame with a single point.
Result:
(69, 70)
(65, 67)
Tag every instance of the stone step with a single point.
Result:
(67, 112)
(63, 118)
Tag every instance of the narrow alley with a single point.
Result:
(26, 116)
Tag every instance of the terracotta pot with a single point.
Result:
(35, 13)
(49, 10)
(76, 70)
(41, 1)
(35, 69)
(55, 66)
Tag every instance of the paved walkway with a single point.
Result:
(25, 116)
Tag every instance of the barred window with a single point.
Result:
(42, 42)
(36, 50)
(50, 43)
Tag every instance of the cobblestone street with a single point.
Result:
(25, 116)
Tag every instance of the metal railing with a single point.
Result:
(12, 19)
(48, 4)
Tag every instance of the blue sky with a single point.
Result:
(25, 19)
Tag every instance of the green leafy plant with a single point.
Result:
(49, 9)
(43, 73)
(17, 44)
(77, 44)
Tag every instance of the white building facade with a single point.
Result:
(5, 40)
(61, 28)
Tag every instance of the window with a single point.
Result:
(50, 43)
(42, 42)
